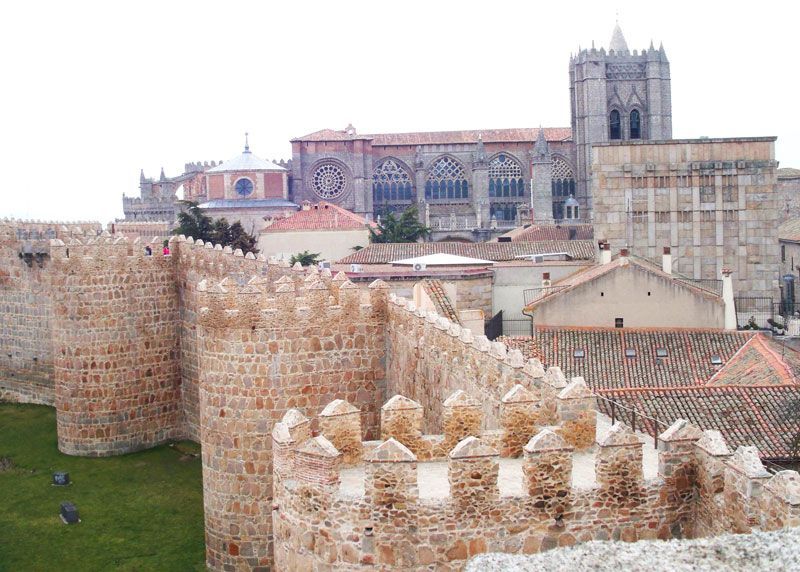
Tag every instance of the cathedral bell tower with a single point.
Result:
(616, 95)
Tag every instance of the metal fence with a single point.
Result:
(754, 312)
(504, 325)
(536, 294)
(786, 318)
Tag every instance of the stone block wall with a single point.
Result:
(311, 341)
(116, 346)
(198, 261)
(26, 348)
(389, 526)
(713, 201)
(429, 357)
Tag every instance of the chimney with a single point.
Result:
(605, 253)
(727, 299)
(623, 252)
(666, 260)
(546, 280)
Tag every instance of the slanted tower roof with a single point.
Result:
(618, 43)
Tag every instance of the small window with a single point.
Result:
(618, 322)
(662, 352)
(636, 125)
(614, 126)
(783, 253)
(630, 352)
(716, 360)
(602, 294)
(579, 353)
(648, 293)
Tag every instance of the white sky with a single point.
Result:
(94, 91)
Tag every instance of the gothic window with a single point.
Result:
(328, 181)
(503, 212)
(636, 125)
(562, 186)
(614, 125)
(505, 177)
(391, 184)
(446, 181)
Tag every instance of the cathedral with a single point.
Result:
(472, 184)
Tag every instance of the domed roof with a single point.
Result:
(618, 43)
(246, 162)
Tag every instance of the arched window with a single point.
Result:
(563, 186)
(446, 181)
(636, 124)
(505, 177)
(614, 125)
(391, 185)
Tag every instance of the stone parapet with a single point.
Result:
(576, 414)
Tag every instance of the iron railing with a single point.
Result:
(713, 286)
(454, 223)
(535, 294)
(631, 416)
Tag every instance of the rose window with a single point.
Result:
(328, 181)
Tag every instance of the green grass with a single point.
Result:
(142, 511)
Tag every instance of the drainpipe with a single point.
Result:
(727, 299)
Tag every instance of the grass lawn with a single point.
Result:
(142, 511)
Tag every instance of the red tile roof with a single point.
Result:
(536, 232)
(495, 251)
(444, 307)
(753, 398)
(517, 135)
(319, 216)
(764, 416)
(789, 231)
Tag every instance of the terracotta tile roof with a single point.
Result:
(494, 251)
(516, 135)
(319, 216)
(536, 232)
(435, 290)
(750, 398)
(605, 367)
(585, 276)
(764, 416)
(789, 231)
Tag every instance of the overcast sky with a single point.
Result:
(93, 92)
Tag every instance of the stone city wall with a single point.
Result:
(198, 261)
(325, 520)
(116, 346)
(430, 357)
(313, 339)
(26, 352)
(388, 517)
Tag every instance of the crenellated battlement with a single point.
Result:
(309, 296)
(414, 501)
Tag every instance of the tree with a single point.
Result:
(405, 228)
(193, 222)
(305, 258)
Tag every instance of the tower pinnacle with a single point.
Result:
(246, 142)
(618, 43)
